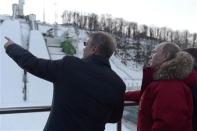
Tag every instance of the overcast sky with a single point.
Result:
(175, 14)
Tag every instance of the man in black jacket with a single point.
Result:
(87, 92)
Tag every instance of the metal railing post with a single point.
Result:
(119, 126)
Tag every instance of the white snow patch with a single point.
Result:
(39, 90)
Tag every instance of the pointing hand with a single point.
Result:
(9, 42)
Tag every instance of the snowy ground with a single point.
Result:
(39, 91)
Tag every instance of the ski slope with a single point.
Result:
(39, 91)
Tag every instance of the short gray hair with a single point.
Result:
(170, 49)
(106, 44)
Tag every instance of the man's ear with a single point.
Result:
(94, 49)
(167, 56)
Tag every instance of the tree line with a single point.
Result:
(129, 35)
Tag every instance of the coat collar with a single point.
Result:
(97, 59)
(178, 68)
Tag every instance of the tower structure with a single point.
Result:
(21, 7)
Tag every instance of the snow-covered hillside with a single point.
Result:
(39, 92)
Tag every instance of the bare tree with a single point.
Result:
(194, 39)
(109, 22)
(145, 30)
(134, 28)
(177, 38)
(163, 33)
(185, 41)
(128, 30)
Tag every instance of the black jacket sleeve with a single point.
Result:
(119, 106)
(46, 69)
(116, 114)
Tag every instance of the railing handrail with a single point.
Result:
(31, 109)
(130, 103)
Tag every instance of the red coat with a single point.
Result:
(165, 102)
(165, 105)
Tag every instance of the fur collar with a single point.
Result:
(178, 68)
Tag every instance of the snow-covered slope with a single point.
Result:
(39, 92)
(37, 47)
(11, 76)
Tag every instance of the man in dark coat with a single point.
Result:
(165, 98)
(87, 92)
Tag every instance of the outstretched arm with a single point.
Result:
(46, 69)
(117, 113)
(132, 96)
